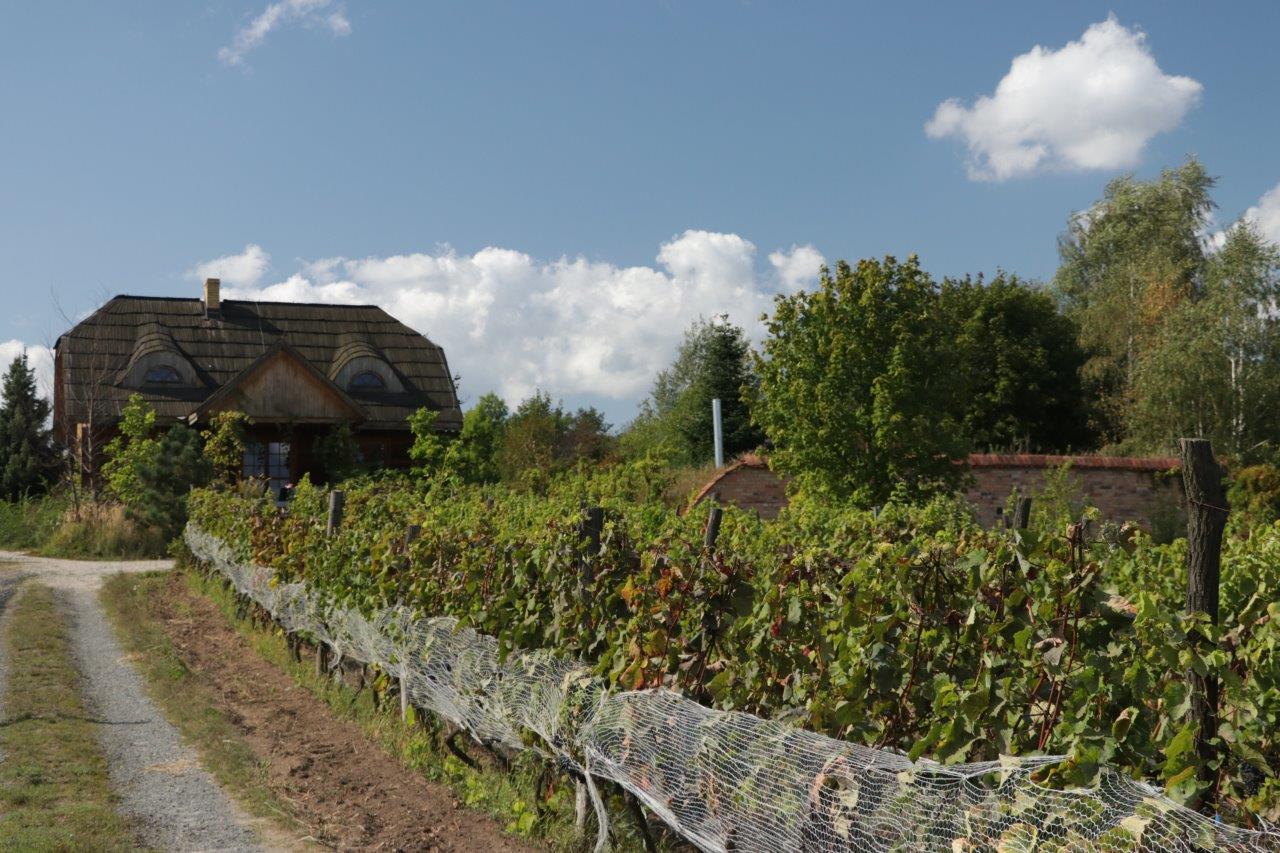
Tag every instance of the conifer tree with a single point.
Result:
(26, 444)
(713, 362)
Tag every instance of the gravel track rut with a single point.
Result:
(175, 803)
(8, 589)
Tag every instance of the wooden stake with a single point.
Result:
(590, 528)
(337, 500)
(1206, 519)
(579, 805)
(404, 697)
(1022, 513)
(642, 823)
(713, 528)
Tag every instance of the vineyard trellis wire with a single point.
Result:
(726, 780)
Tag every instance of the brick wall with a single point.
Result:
(749, 484)
(753, 488)
(1141, 490)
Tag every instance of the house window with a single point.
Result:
(268, 460)
(367, 381)
(163, 374)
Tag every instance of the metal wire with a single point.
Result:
(725, 780)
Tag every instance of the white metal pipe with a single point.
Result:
(717, 430)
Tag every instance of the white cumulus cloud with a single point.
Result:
(797, 266)
(310, 13)
(244, 270)
(39, 357)
(1092, 104)
(512, 323)
(1265, 215)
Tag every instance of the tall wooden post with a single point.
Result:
(1206, 519)
(337, 500)
(713, 528)
(1022, 513)
(590, 528)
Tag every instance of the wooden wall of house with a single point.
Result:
(284, 390)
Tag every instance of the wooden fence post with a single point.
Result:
(592, 529)
(713, 528)
(1206, 519)
(337, 500)
(404, 694)
(1022, 513)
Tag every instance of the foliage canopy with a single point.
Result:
(859, 389)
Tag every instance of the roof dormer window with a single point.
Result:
(163, 374)
(367, 381)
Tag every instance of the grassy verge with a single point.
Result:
(519, 797)
(102, 532)
(52, 526)
(130, 602)
(29, 522)
(54, 792)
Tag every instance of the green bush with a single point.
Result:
(913, 629)
(1255, 493)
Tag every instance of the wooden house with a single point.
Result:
(298, 370)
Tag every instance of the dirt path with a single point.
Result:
(354, 795)
(175, 803)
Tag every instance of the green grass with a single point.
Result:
(509, 795)
(52, 526)
(130, 602)
(28, 523)
(101, 532)
(54, 791)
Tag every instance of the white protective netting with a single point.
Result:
(728, 781)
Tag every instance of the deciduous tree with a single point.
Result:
(1021, 363)
(858, 384)
(129, 450)
(224, 445)
(1212, 369)
(1128, 261)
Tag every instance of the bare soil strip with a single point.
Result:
(352, 794)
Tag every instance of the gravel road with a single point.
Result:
(175, 803)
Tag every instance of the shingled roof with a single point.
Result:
(96, 355)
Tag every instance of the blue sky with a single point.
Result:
(553, 190)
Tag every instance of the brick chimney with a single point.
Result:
(212, 298)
